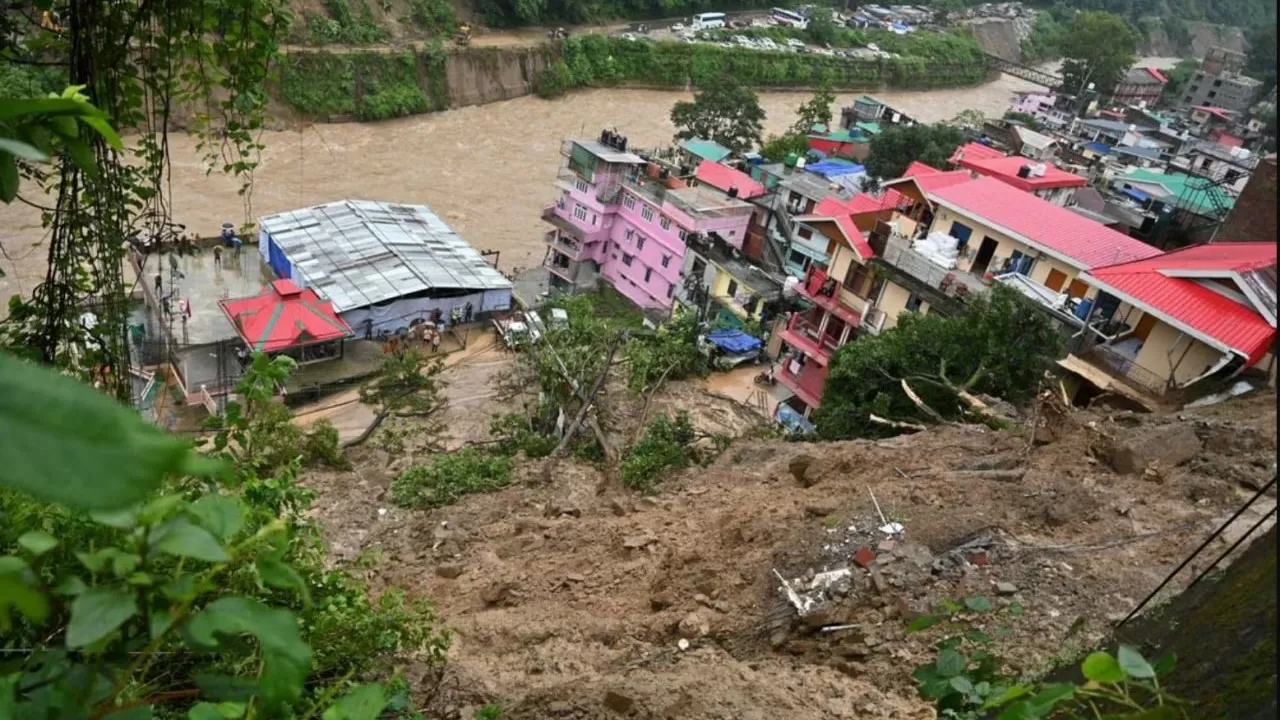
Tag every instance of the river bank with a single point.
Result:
(488, 170)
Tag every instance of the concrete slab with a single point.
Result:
(202, 283)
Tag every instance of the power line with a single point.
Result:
(1198, 550)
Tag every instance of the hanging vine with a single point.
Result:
(143, 62)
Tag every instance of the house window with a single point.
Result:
(626, 259)
(960, 232)
(647, 213)
(733, 288)
(630, 202)
(1213, 93)
(699, 269)
(665, 222)
(804, 233)
(666, 261)
(798, 258)
(580, 212)
(855, 279)
(914, 302)
(683, 235)
(648, 274)
(581, 185)
(639, 243)
(671, 290)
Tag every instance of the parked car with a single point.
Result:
(795, 43)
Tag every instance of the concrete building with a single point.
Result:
(623, 219)
(1140, 86)
(1233, 92)
(1253, 217)
(1038, 178)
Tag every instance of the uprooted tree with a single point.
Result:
(931, 368)
(405, 395)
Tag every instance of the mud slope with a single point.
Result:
(569, 594)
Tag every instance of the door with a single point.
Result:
(1077, 289)
(1056, 280)
(960, 232)
(1144, 327)
(982, 261)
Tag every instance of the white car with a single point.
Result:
(678, 27)
(795, 43)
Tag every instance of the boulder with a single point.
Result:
(1167, 446)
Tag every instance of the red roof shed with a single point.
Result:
(284, 316)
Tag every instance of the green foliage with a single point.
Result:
(1261, 60)
(934, 46)
(968, 680)
(1043, 42)
(33, 130)
(1179, 75)
(343, 26)
(369, 85)
(817, 111)
(1001, 345)
(515, 433)
(726, 112)
(30, 81)
(555, 81)
(447, 477)
(821, 29)
(898, 145)
(435, 16)
(670, 353)
(1025, 118)
(664, 444)
(1098, 48)
(205, 578)
(778, 147)
(321, 444)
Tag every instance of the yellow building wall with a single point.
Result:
(1005, 247)
(1190, 359)
(893, 302)
(720, 289)
(842, 258)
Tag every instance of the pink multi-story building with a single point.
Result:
(624, 219)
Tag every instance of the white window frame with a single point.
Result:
(629, 201)
(580, 212)
(647, 213)
(665, 222)
(581, 185)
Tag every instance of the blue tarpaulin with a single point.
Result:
(734, 341)
(831, 168)
(1137, 194)
(1099, 147)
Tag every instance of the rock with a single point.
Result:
(799, 467)
(979, 558)
(619, 507)
(692, 626)
(1006, 588)
(618, 702)
(560, 709)
(820, 509)
(562, 507)
(531, 525)
(660, 602)
(1168, 445)
(878, 582)
(1056, 515)
(721, 606)
(449, 571)
(497, 593)
(636, 542)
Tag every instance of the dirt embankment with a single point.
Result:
(1002, 37)
(570, 595)
(1204, 37)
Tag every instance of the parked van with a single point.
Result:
(708, 21)
(781, 16)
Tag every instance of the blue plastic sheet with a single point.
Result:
(734, 341)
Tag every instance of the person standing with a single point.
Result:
(217, 257)
(466, 312)
(435, 341)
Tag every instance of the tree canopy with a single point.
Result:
(1001, 346)
(817, 111)
(726, 112)
(1098, 48)
(1261, 61)
(897, 145)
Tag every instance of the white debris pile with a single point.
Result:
(939, 248)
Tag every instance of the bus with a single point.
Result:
(708, 21)
(787, 18)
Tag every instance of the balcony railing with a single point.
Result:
(560, 216)
(807, 384)
(824, 291)
(898, 253)
(566, 245)
(808, 329)
(1103, 356)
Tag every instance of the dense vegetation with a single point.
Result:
(898, 145)
(942, 47)
(592, 60)
(1001, 346)
(1238, 13)
(369, 85)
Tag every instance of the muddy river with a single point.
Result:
(488, 169)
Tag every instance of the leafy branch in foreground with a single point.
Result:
(967, 680)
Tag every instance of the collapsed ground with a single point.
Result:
(569, 594)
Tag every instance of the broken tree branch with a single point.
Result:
(644, 414)
(937, 416)
(588, 400)
(895, 423)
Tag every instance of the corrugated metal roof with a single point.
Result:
(1189, 303)
(1056, 230)
(724, 178)
(706, 149)
(357, 253)
(1007, 168)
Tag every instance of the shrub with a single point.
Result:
(665, 444)
(448, 476)
(393, 101)
(554, 81)
(322, 445)
(515, 434)
(432, 15)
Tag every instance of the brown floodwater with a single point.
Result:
(488, 170)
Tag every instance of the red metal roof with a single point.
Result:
(842, 214)
(917, 168)
(1217, 112)
(1159, 76)
(1205, 312)
(1056, 230)
(284, 316)
(724, 177)
(1229, 141)
(1006, 170)
(973, 150)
